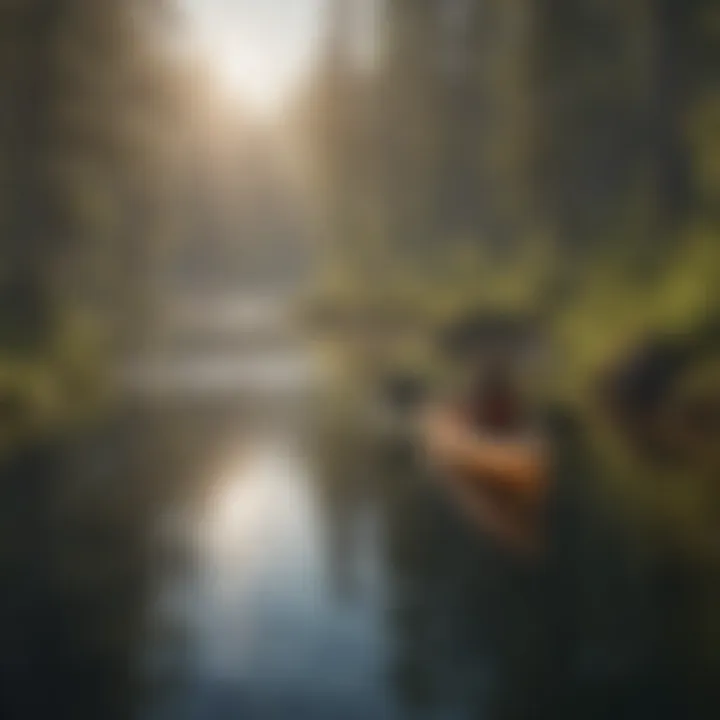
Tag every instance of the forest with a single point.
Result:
(557, 160)
(126, 177)
(556, 156)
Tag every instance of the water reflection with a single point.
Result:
(209, 562)
(259, 565)
(267, 635)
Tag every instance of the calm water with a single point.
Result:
(207, 554)
(210, 555)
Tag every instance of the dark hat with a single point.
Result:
(477, 332)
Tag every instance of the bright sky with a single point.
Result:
(260, 48)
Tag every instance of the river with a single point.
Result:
(213, 550)
(206, 552)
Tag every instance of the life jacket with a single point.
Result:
(494, 406)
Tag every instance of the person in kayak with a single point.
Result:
(536, 495)
(487, 447)
(494, 464)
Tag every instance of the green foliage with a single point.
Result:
(63, 383)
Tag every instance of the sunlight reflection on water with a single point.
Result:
(260, 554)
(264, 625)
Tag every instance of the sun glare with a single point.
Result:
(258, 50)
(251, 74)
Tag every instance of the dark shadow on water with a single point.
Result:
(82, 561)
